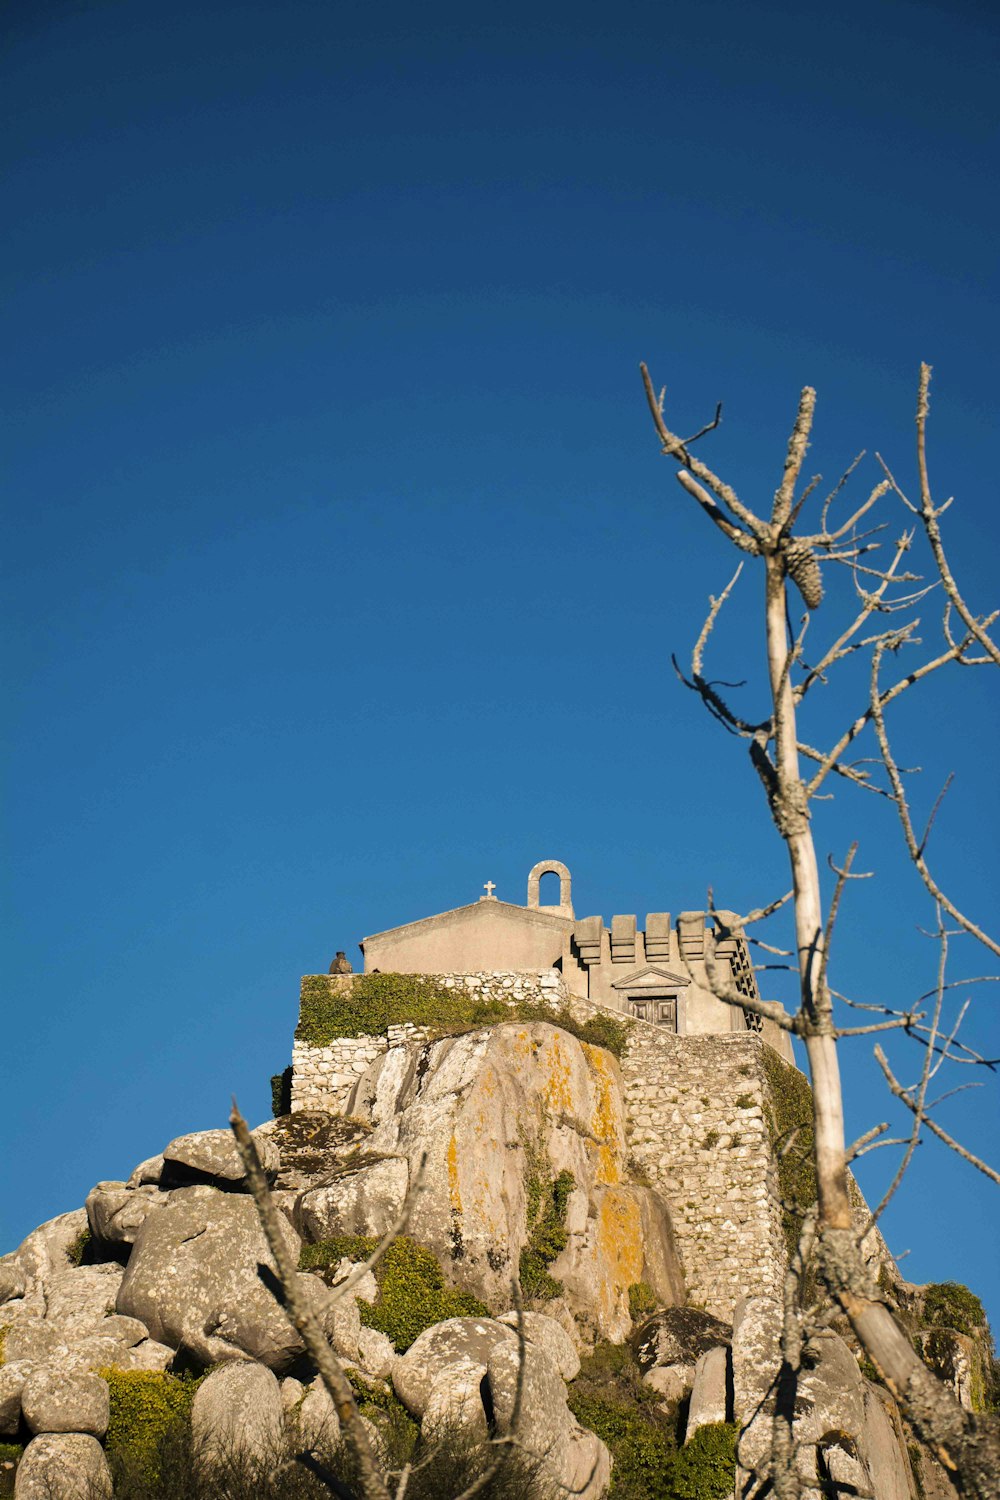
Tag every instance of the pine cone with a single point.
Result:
(803, 569)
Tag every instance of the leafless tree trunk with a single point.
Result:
(968, 1446)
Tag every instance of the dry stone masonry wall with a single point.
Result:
(322, 1077)
(697, 1126)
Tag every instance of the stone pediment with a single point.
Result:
(652, 977)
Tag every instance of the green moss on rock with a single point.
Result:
(547, 1198)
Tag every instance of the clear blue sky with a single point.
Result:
(342, 568)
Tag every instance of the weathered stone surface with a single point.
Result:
(69, 1465)
(835, 1424)
(311, 1146)
(12, 1381)
(292, 1391)
(192, 1279)
(884, 1446)
(149, 1355)
(13, 1282)
(116, 1212)
(472, 1102)
(53, 1401)
(45, 1252)
(148, 1171)
(546, 1429)
(455, 1403)
(364, 1289)
(472, 1339)
(376, 1356)
(211, 1156)
(237, 1410)
(619, 1236)
(549, 1335)
(79, 1299)
(678, 1336)
(341, 1322)
(708, 1393)
(319, 1425)
(30, 1338)
(363, 1200)
(586, 1468)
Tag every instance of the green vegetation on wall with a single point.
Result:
(370, 1003)
(281, 1093)
(789, 1115)
(77, 1252)
(413, 1294)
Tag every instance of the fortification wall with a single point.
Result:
(697, 1127)
(696, 1118)
(322, 1077)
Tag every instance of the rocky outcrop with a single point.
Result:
(492, 1113)
(69, 1464)
(237, 1414)
(192, 1279)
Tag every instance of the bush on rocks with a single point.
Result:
(413, 1294)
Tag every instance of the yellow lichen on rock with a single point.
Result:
(619, 1247)
(606, 1123)
(454, 1194)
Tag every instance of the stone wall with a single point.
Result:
(322, 1077)
(696, 1126)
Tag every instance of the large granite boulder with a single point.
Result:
(13, 1378)
(547, 1334)
(211, 1156)
(669, 1345)
(54, 1401)
(468, 1341)
(569, 1457)
(837, 1426)
(318, 1423)
(193, 1280)
(46, 1251)
(69, 1465)
(363, 1198)
(116, 1212)
(495, 1111)
(79, 1299)
(237, 1414)
(311, 1146)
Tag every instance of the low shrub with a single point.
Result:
(705, 1468)
(642, 1301)
(145, 1407)
(281, 1092)
(609, 1397)
(413, 1294)
(547, 1199)
(77, 1252)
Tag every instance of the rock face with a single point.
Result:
(237, 1413)
(192, 1279)
(68, 1464)
(493, 1110)
(841, 1423)
(53, 1401)
(211, 1156)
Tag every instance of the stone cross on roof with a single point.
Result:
(489, 888)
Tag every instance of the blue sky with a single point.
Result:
(343, 572)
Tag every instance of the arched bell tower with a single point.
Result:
(554, 867)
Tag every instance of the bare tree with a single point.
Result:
(883, 623)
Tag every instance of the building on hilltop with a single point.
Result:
(656, 973)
